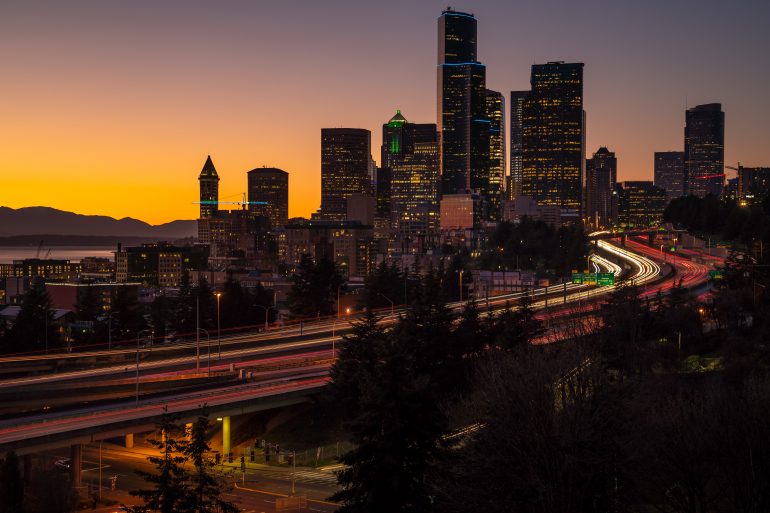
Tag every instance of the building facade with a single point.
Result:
(600, 199)
(158, 264)
(641, 204)
(270, 186)
(496, 116)
(345, 169)
(462, 105)
(553, 137)
(704, 150)
(513, 188)
(753, 184)
(669, 173)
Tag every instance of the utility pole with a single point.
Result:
(197, 333)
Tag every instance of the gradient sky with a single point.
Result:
(111, 107)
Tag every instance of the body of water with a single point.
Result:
(74, 253)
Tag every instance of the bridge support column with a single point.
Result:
(129, 441)
(225, 436)
(76, 456)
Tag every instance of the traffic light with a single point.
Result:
(243, 464)
(252, 456)
(277, 449)
(290, 459)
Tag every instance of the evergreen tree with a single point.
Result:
(514, 328)
(205, 304)
(169, 492)
(33, 328)
(160, 310)
(205, 487)
(314, 288)
(183, 321)
(127, 315)
(11, 485)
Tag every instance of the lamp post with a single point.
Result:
(219, 332)
(266, 309)
(197, 334)
(663, 253)
(208, 345)
(392, 305)
(460, 272)
(138, 337)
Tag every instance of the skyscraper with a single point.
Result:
(517, 149)
(208, 183)
(270, 185)
(345, 169)
(553, 137)
(669, 173)
(601, 178)
(411, 152)
(495, 113)
(462, 122)
(704, 150)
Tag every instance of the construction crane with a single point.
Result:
(242, 203)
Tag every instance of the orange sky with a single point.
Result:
(111, 108)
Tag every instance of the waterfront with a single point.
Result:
(74, 253)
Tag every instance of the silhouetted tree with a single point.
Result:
(11, 485)
(314, 288)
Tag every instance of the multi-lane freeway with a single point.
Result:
(110, 388)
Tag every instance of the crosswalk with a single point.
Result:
(319, 477)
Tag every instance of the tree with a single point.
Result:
(514, 328)
(314, 288)
(11, 485)
(160, 311)
(33, 329)
(205, 487)
(383, 285)
(169, 491)
(127, 315)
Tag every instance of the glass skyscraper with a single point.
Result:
(704, 150)
(496, 115)
(345, 169)
(270, 185)
(411, 153)
(553, 137)
(601, 179)
(669, 173)
(462, 104)
(517, 147)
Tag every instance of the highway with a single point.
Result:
(266, 354)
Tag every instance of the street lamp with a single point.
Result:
(208, 346)
(138, 337)
(266, 309)
(392, 305)
(663, 252)
(219, 332)
(461, 271)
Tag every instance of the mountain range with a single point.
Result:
(50, 221)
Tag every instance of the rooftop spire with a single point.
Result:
(208, 171)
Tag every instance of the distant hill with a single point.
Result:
(50, 221)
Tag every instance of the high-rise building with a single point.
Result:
(641, 204)
(513, 188)
(208, 182)
(704, 150)
(601, 178)
(411, 152)
(496, 115)
(669, 173)
(753, 184)
(462, 121)
(270, 186)
(345, 169)
(553, 137)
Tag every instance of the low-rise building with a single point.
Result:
(641, 204)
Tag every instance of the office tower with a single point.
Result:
(411, 152)
(495, 113)
(208, 182)
(641, 204)
(382, 192)
(704, 150)
(553, 137)
(271, 186)
(462, 122)
(345, 169)
(753, 184)
(601, 178)
(669, 173)
(517, 106)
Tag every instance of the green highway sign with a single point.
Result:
(589, 278)
(605, 279)
(716, 274)
(577, 278)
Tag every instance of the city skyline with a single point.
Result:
(83, 110)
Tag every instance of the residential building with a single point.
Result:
(641, 204)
